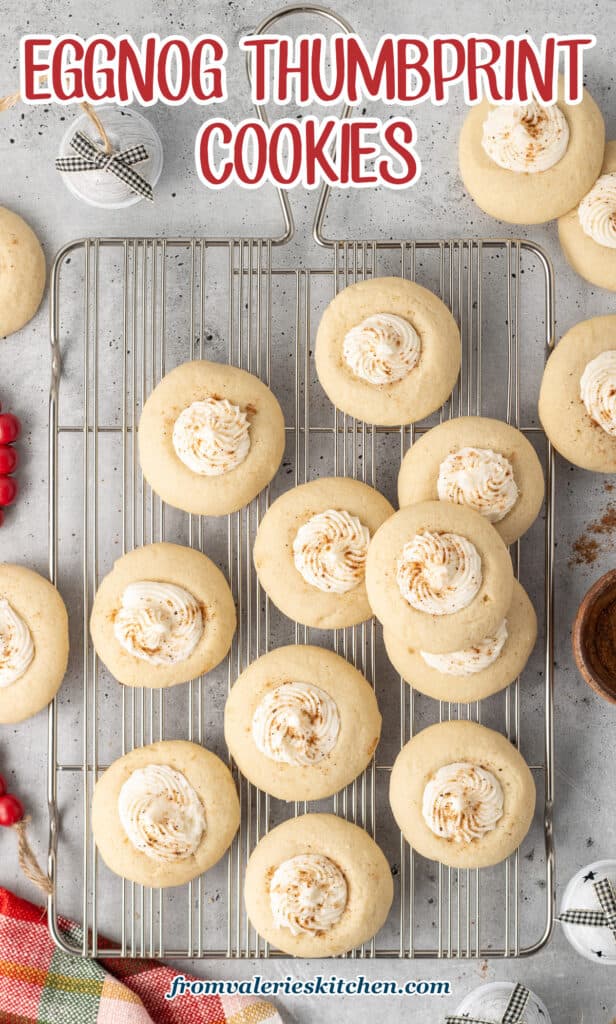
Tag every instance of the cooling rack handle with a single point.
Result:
(265, 26)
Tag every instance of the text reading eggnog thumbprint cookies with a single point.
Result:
(33, 642)
(588, 233)
(528, 164)
(211, 437)
(317, 886)
(577, 401)
(439, 576)
(163, 615)
(165, 813)
(311, 547)
(477, 671)
(482, 463)
(462, 794)
(387, 351)
(301, 723)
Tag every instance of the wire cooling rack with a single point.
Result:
(124, 312)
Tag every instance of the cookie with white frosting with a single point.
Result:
(474, 672)
(165, 813)
(33, 642)
(462, 794)
(587, 233)
(317, 886)
(211, 437)
(482, 463)
(439, 575)
(163, 615)
(529, 164)
(311, 547)
(577, 400)
(301, 723)
(387, 351)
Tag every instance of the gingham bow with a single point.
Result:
(604, 918)
(90, 158)
(512, 1015)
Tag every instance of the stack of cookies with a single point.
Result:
(459, 627)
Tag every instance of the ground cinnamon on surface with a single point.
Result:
(605, 638)
(586, 549)
(606, 524)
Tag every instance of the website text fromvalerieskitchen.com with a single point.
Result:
(315, 986)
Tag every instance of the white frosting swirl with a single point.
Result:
(308, 894)
(16, 645)
(597, 211)
(471, 659)
(598, 390)
(382, 349)
(161, 813)
(526, 139)
(439, 573)
(159, 622)
(480, 479)
(462, 802)
(330, 551)
(211, 436)
(297, 724)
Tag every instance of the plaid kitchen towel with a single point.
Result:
(40, 983)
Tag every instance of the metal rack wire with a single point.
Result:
(124, 312)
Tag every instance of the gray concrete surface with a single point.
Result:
(575, 991)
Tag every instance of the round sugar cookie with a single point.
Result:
(165, 813)
(592, 260)
(301, 723)
(211, 437)
(33, 642)
(317, 886)
(483, 463)
(462, 794)
(578, 436)
(310, 550)
(22, 272)
(440, 594)
(471, 674)
(521, 197)
(163, 615)
(387, 351)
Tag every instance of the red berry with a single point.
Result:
(11, 810)
(2, 786)
(8, 490)
(9, 458)
(10, 428)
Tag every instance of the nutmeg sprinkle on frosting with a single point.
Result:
(330, 551)
(308, 894)
(462, 802)
(296, 723)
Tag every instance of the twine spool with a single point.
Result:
(6, 102)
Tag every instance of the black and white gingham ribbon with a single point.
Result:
(90, 158)
(604, 918)
(512, 1015)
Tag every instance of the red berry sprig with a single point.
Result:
(11, 809)
(10, 429)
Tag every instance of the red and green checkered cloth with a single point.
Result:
(40, 983)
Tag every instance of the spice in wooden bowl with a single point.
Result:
(594, 637)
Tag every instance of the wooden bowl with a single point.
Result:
(586, 650)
